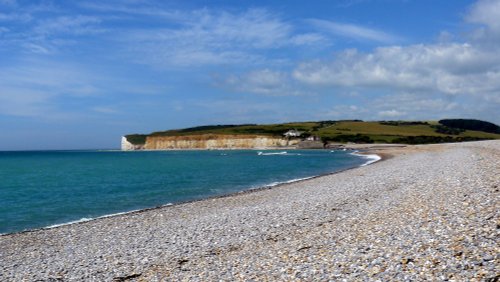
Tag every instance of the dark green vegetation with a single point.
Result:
(471, 124)
(399, 122)
(253, 129)
(356, 131)
(207, 128)
(136, 139)
(447, 130)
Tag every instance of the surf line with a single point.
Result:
(370, 158)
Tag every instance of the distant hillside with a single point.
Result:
(471, 124)
(343, 131)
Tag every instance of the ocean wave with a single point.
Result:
(85, 219)
(281, 182)
(278, 153)
(272, 153)
(370, 158)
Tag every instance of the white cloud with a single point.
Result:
(130, 8)
(416, 102)
(445, 37)
(447, 68)
(35, 48)
(486, 12)
(354, 31)
(423, 79)
(410, 106)
(418, 81)
(45, 35)
(207, 37)
(255, 28)
(419, 106)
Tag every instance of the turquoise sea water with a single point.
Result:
(44, 188)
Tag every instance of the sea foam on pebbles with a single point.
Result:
(429, 213)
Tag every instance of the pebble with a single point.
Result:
(428, 213)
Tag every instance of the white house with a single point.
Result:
(292, 133)
(313, 138)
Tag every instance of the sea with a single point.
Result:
(43, 189)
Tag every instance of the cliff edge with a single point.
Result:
(208, 142)
(128, 146)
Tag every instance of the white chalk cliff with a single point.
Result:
(210, 141)
(127, 146)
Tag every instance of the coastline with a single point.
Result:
(371, 158)
(391, 219)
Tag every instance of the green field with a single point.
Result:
(344, 131)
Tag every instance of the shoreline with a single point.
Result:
(361, 146)
(424, 213)
(366, 154)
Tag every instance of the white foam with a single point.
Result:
(278, 153)
(370, 158)
(85, 219)
(270, 154)
(286, 182)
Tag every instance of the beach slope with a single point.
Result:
(426, 212)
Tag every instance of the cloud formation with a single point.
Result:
(428, 80)
(415, 81)
(208, 37)
(485, 12)
(354, 31)
(445, 68)
(259, 51)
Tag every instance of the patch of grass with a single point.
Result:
(375, 128)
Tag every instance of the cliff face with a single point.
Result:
(212, 141)
(127, 146)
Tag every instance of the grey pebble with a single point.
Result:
(427, 213)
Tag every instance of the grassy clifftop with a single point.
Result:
(410, 132)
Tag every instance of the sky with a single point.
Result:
(80, 74)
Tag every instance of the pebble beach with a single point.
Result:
(428, 212)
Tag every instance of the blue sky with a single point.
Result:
(79, 74)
